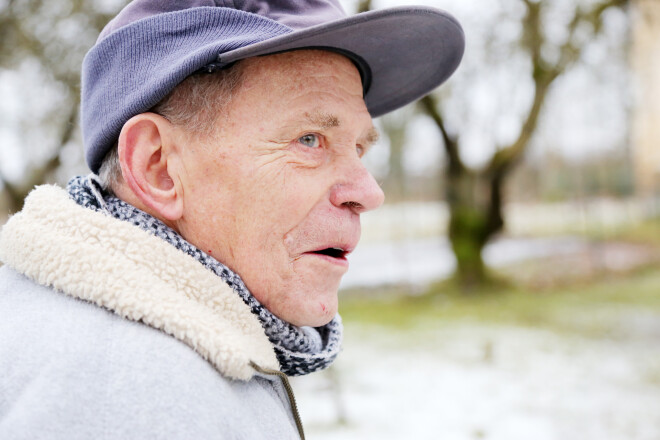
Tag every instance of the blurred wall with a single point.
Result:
(645, 60)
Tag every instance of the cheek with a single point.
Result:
(287, 200)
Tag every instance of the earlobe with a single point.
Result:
(147, 154)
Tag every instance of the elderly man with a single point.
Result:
(170, 293)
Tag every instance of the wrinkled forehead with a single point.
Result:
(296, 69)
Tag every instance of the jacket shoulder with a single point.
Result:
(76, 370)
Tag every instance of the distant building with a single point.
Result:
(645, 60)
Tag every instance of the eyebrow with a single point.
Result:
(372, 136)
(325, 120)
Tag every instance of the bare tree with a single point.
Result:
(475, 197)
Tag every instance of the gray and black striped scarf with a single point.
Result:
(300, 350)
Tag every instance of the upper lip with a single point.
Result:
(342, 234)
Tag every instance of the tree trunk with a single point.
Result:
(475, 205)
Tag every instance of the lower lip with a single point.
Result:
(343, 262)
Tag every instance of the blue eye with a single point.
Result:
(310, 140)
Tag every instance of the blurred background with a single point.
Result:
(510, 286)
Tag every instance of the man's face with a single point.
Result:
(276, 193)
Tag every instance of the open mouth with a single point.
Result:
(332, 252)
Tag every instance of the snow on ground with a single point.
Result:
(475, 381)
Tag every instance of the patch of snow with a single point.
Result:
(474, 381)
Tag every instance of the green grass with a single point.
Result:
(646, 232)
(590, 309)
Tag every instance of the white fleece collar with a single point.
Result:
(111, 263)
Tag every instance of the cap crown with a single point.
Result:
(296, 14)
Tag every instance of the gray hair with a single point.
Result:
(195, 104)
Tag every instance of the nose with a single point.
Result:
(357, 190)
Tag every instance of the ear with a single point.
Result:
(148, 154)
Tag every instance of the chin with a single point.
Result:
(314, 310)
(305, 303)
(319, 321)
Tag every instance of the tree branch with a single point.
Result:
(430, 106)
(543, 73)
(508, 156)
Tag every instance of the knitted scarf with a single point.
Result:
(300, 350)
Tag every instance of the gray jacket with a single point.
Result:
(108, 332)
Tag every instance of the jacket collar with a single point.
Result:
(113, 264)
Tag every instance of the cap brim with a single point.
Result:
(403, 53)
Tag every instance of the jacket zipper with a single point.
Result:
(289, 392)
